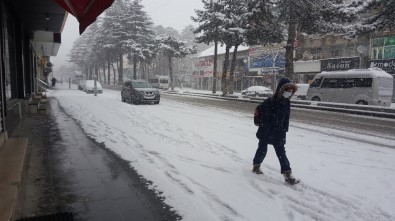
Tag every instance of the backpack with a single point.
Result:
(261, 112)
(258, 114)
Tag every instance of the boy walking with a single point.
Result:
(273, 127)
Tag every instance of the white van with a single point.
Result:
(160, 82)
(301, 93)
(371, 86)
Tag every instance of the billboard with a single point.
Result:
(266, 60)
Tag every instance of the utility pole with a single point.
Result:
(95, 85)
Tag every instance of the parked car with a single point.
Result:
(301, 93)
(139, 91)
(90, 87)
(81, 85)
(257, 91)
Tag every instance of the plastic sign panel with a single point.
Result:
(340, 64)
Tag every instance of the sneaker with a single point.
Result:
(289, 178)
(257, 169)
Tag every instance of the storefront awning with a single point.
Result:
(86, 11)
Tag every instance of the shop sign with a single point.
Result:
(340, 64)
(205, 63)
(387, 65)
(202, 73)
(203, 68)
(266, 61)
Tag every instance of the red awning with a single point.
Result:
(86, 11)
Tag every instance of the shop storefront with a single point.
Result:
(22, 51)
(203, 73)
(382, 54)
(387, 65)
(306, 70)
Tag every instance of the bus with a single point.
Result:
(371, 86)
(160, 82)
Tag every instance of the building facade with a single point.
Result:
(29, 35)
(203, 65)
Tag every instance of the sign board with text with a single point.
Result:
(387, 65)
(340, 64)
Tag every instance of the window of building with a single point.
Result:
(336, 52)
(316, 50)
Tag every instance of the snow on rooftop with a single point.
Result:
(221, 50)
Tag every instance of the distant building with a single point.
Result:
(203, 65)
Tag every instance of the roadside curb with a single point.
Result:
(371, 111)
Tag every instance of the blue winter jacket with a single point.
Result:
(275, 121)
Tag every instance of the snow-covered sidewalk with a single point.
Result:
(200, 159)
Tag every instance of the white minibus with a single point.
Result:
(160, 82)
(371, 86)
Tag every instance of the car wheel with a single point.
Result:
(316, 99)
(156, 102)
(134, 101)
(361, 102)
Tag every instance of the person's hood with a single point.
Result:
(284, 84)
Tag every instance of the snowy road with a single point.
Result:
(200, 160)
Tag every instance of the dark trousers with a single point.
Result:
(280, 151)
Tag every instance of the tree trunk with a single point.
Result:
(142, 68)
(90, 72)
(171, 73)
(87, 72)
(289, 48)
(224, 85)
(115, 74)
(104, 73)
(96, 73)
(109, 70)
(148, 72)
(215, 67)
(134, 66)
(232, 70)
(120, 70)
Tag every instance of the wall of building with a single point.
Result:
(18, 68)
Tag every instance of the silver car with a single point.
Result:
(139, 91)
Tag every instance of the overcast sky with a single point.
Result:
(169, 13)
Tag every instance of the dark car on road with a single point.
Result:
(139, 91)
